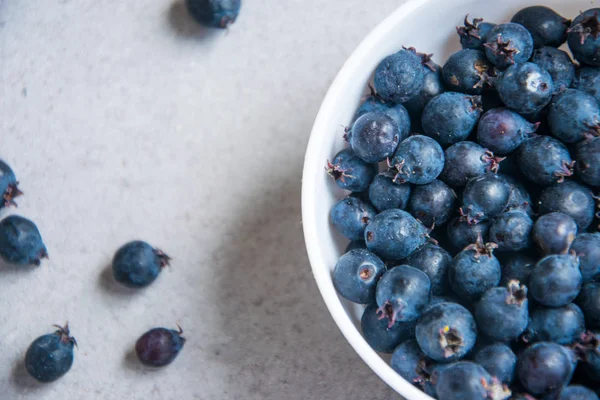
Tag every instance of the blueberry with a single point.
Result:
(384, 194)
(508, 44)
(502, 131)
(432, 203)
(446, 332)
(433, 85)
(466, 160)
(469, 381)
(587, 161)
(474, 34)
(511, 231)
(544, 368)
(553, 233)
(519, 199)
(558, 64)
(407, 360)
(374, 137)
(137, 264)
(571, 198)
(399, 76)
(394, 234)
(547, 28)
(418, 160)
(430, 376)
(461, 233)
(544, 160)
(525, 88)
(499, 361)
(576, 392)
(588, 351)
(379, 335)
(8, 185)
(450, 117)
(516, 266)
(402, 294)
(502, 313)
(587, 79)
(587, 248)
(468, 71)
(485, 196)
(434, 261)
(555, 280)
(396, 112)
(589, 301)
(350, 217)
(20, 241)
(562, 325)
(356, 274)
(159, 346)
(214, 13)
(474, 270)
(350, 172)
(50, 356)
(584, 37)
(573, 114)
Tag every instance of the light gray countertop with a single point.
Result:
(123, 120)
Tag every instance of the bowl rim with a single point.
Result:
(311, 237)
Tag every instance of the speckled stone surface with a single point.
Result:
(124, 120)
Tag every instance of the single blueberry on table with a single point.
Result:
(558, 64)
(350, 217)
(502, 131)
(485, 196)
(544, 160)
(525, 88)
(572, 115)
(519, 199)
(20, 241)
(587, 248)
(553, 233)
(498, 360)
(384, 194)
(474, 270)
(516, 266)
(466, 160)
(468, 71)
(433, 85)
(544, 368)
(577, 392)
(374, 137)
(214, 13)
(396, 112)
(587, 79)
(446, 332)
(402, 294)
(474, 34)
(511, 231)
(379, 335)
(407, 360)
(137, 264)
(589, 301)
(588, 350)
(356, 274)
(508, 44)
(469, 381)
(502, 313)
(50, 356)
(547, 28)
(434, 261)
(350, 171)
(159, 346)
(555, 280)
(8, 185)
(418, 160)
(433, 203)
(587, 161)
(399, 76)
(562, 325)
(395, 234)
(461, 234)
(571, 198)
(583, 37)
(451, 117)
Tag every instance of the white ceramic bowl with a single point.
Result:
(429, 26)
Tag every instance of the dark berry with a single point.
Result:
(570, 198)
(461, 233)
(418, 160)
(589, 301)
(350, 217)
(379, 335)
(572, 115)
(50, 356)
(396, 112)
(588, 350)
(433, 85)
(374, 137)
(399, 76)
(587, 79)
(516, 266)
(558, 64)
(485, 196)
(351, 172)
(214, 13)
(553, 233)
(450, 117)
(466, 160)
(499, 361)
(587, 248)
(547, 28)
(587, 161)
(508, 44)
(474, 34)
(584, 37)
(356, 274)
(433, 203)
(434, 261)
(469, 381)
(502, 131)
(159, 346)
(525, 88)
(407, 360)
(384, 194)
(502, 313)
(394, 234)
(555, 280)
(137, 264)
(20, 241)
(468, 71)
(519, 199)
(544, 368)
(562, 325)
(544, 160)
(576, 392)
(8, 185)
(511, 231)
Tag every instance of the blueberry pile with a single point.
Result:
(474, 244)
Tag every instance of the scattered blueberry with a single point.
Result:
(384, 194)
(511, 231)
(399, 76)
(466, 160)
(20, 241)
(555, 280)
(350, 172)
(547, 28)
(461, 234)
(434, 261)
(587, 248)
(418, 160)
(50, 356)
(433, 203)
(374, 137)
(394, 234)
(350, 217)
(571, 198)
(553, 233)
(468, 71)
(356, 274)
(508, 44)
(407, 360)
(159, 346)
(8, 185)
(525, 88)
(589, 301)
(544, 160)
(474, 34)
(544, 368)
(502, 131)
(469, 381)
(562, 325)
(573, 114)
(499, 361)
(214, 13)
(379, 335)
(558, 64)
(485, 196)
(584, 37)
(587, 161)
(502, 313)
(137, 264)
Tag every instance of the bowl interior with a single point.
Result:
(429, 26)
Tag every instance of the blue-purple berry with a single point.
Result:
(399, 76)
(434, 261)
(508, 44)
(350, 171)
(546, 26)
(394, 234)
(468, 71)
(350, 217)
(356, 274)
(379, 335)
(525, 88)
(502, 131)
(544, 160)
(555, 280)
(384, 194)
(418, 160)
(502, 313)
